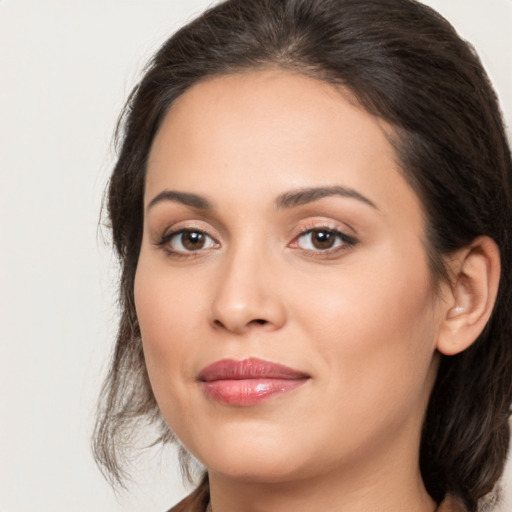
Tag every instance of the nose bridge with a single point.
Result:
(246, 296)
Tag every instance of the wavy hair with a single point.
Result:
(405, 64)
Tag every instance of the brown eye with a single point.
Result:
(323, 240)
(192, 240)
(189, 240)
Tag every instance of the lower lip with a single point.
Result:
(244, 392)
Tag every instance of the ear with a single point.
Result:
(471, 297)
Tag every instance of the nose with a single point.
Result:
(247, 295)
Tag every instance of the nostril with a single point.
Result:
(218, 323)
(235, 327)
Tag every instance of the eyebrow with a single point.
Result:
(286, 200)
(307, 195)
(185, 198)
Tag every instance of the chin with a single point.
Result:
(250, 454)
(255, 468)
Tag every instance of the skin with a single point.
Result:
(362, 319)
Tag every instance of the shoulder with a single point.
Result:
(197, 501)
(451, 504)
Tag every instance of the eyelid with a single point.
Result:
(323, 223)
(349, 240)
(162, 239)
(337, 231)
(171, 234)
(164, 217)
(162, 230)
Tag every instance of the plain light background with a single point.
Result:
(65, 71)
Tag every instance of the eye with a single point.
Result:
(187, 240)
(323, 239)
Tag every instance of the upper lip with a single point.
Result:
(252, 368)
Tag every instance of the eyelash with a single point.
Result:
(347, 242)
(164, 242)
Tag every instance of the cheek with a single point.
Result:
(169, 311)
(376, 330)
(168, 315)
(365, 301)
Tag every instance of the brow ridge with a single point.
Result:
(186, 198)
(303, 196)
(286, 200)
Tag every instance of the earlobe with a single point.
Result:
(474, 287)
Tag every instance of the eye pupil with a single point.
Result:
(193, 240)
(323, 239)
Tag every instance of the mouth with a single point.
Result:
(248, 382)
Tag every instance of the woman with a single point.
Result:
(312, 207)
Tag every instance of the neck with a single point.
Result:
(393, 485)
(304, 498)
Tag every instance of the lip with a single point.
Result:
(249, 381)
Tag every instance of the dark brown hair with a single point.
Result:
(406, 64)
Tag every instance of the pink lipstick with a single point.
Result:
(248, 382)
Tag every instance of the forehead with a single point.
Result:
(272, 111)
(257, 134)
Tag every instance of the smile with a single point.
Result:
(248, 382)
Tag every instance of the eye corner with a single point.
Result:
(323, 241)
(176, 244)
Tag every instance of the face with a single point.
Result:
(283, 291)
